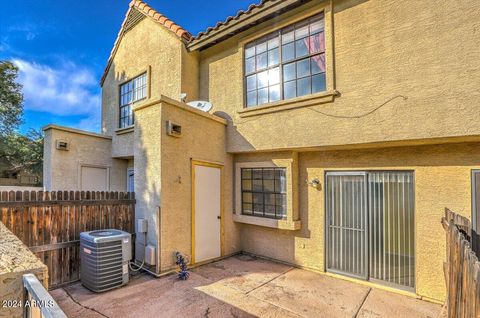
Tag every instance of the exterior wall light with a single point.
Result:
(315, 183)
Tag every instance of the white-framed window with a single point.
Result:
(287, 63)
(131, 92)
(264, 192)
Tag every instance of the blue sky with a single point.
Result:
(61, 48)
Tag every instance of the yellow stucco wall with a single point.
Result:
(203, 139)
(146, 44)
(163, 176)
(62, 168)
(403, 76)
(147, 174)
(405, 71)
(426, 51)
(147, 47)
(442, 179)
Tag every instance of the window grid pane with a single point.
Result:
(297, 51)
(263, 192)
(131, 92)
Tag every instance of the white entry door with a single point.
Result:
(206, 212)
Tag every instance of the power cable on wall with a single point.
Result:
(340, 116)
(362, 115)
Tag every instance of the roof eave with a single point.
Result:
(115, 47)
(241, 22)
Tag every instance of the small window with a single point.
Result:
(264, 192)
(286, 64)
(131, 92)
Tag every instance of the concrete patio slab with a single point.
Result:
(380, 303)
(240, 286)
(149, 297)
(313, 295)
(242, 272)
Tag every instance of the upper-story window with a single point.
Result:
(130, 92)
(286, 63)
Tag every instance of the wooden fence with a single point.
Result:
(49, 223)
(462, 269)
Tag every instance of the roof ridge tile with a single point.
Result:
(144, 8)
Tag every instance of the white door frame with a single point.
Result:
(222, 232)
(128, 178)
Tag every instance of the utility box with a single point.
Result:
(150, 257)
(142, 225)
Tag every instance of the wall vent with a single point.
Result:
(173, 129)
(62, 145)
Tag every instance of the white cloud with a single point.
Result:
(90, 123)
(67, 89)
(26, 30)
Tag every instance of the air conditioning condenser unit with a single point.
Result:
(104, 258)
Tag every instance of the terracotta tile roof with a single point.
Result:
(210, 36)
(160, 18)
(227, 21)
(244, 19)
(148, 11)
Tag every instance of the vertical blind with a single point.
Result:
(370, 230)
(347, 225)
(391, 227)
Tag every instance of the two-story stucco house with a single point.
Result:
(339, 132)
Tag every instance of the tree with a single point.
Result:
(23, 152)
(17, 151)
(11, 99)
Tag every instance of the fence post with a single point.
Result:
(462, 274)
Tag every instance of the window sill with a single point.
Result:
(125, 130)
(265, 222)
(298, 102)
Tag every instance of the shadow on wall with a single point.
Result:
(233, 135)
(207, 83)
(148, 193)
(345, 5)
(110, 101)
(147, 172)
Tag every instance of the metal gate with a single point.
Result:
(347, 223)
(370, 226)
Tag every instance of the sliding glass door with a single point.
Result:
(347, 223)
(391, 227)
(370, 226)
